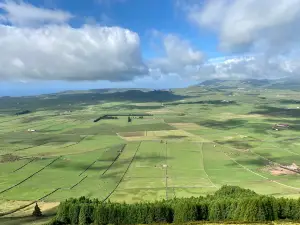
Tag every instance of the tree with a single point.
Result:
(37, 211)
(83, 215)
(185, 211)
(63, 212)
(129, 119)
(74, 211)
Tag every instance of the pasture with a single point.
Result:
(186, 148)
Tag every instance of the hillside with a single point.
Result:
(283, 83)
(151, 146)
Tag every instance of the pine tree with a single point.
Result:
(101, 215)
(63, 213)
(185, 212)
(83, 215)
(37, 211)
(74, 213)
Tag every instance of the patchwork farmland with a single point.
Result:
(179, 150)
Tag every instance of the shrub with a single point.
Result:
(234, 192)
(37, 211)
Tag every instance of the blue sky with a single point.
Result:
(54, 45)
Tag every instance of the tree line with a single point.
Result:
(230, 203)
(115, 116)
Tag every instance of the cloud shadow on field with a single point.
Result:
(79, 100)
(260, 162)
(175, 137)
(223, 125)
(261, 128)
(206, 102)
(56, 140)
(135, 107)
(246, 144)
(294, 124)
(289, 101)
(276, 112)
(285, 160)
(118, 167)
(33, 119)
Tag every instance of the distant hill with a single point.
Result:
(235, 83)
(74, 100)
(283, 83)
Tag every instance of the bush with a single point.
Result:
(37, 211)
(234, 192)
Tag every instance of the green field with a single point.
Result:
(191, 144)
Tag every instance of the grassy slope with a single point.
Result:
(211, 155)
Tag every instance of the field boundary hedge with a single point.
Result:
(40, 199)
(129, 164)
(27, 205)
(33, 146)
(115, 159)
(88, 167)
(27, 178)
(121, 114)
(166, 169)
(21, 167)
(78, 182)
(76, 143)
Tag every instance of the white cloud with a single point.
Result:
(38, 44)
(24, 14)
(263, 31)
(64, 53)
(179, 58)
(256, 66)
(243, 25)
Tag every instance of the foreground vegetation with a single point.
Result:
(227, 204)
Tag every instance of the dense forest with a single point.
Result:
(230, 203)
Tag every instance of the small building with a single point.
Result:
(31, 130)
(280, 126)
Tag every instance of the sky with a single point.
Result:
(55, 45)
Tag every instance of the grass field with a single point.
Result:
(190, 146)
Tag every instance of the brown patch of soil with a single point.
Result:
(276, 170)
(10, 205)
(235, 116)
(280, 171)
(132, 134)
(186, 126)
(9, 158)
(161, 111)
